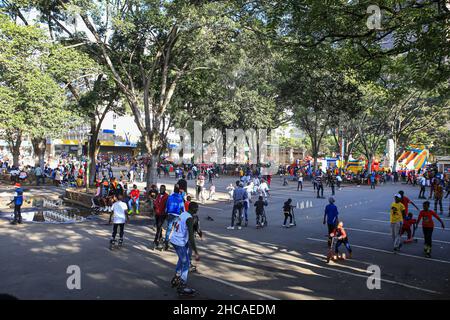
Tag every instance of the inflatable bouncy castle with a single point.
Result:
(413, 158)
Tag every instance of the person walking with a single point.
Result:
(438, 196)
(422, 184)
(39, 175)
(160, 214)
(426, 216)
(396, 219)
(331, 217)
(319, 184)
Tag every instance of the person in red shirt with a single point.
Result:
(160, 213)
(427, 215)
(406, 201)
(342, 238)
(134, 199)
(187, 202)
(408, 222)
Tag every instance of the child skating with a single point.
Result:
(260, 214)
(288, 210)
(119, 218)
(341, 238)
(427, 215)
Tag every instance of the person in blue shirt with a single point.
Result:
(174, 207)
(18, 201)
(372, 180)
(331, 217)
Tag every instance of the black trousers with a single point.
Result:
(427, 234)
(319, 188)
(422, 192)
(115, 226)
(286, 216)
(436, 201)
(300, 185)
(159, 221)
(17, 213)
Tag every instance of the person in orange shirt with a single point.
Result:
(427, 215)
(406, 201)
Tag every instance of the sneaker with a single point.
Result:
(283, 225)
(130, 211)
(137, 211)
(239, 227)
(349, 255)
(291, 224)
(14, 222)
(230, 228)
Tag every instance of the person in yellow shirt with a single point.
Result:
(398, 211)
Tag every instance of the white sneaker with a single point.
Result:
(291, 224)
(239, 228)
(230, 228)
(283, 225)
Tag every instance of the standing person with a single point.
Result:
(183, 184)
(39, 175)
(200, 184)
(406, 201)
(397, 216)
(372, 181)
(319, 184)
(339, 181)
(239, 196)
(134, 199)
(182, 239)
(427, 215)
(422, 184)
(18, 201)
(119, 219)
(174, 207)
(212, 191)
(332, 183)
(438, 195)
(300, 181)
(331, 217)
(160, 213)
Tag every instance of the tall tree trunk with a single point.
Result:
(14, 140)
(152, 164)
(39, 145)
(94, 147)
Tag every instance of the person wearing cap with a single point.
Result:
(397, 215)
(18, 201)
(331, 217)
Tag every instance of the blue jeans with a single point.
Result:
(130, 204)
(346, 244)
(246, 211)
(182, 268)
(170, 220)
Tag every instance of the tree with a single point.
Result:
(36, 109)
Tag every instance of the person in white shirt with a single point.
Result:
(119, 217)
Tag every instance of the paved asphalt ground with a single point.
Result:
(271, 263)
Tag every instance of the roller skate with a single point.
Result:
(184, 291)
(112, 244)
(175, 282)
(120, 243)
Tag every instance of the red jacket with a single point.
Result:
(160, 204)
(134, 194)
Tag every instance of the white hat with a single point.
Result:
(398, 196)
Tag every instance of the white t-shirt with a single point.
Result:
(119, 209)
